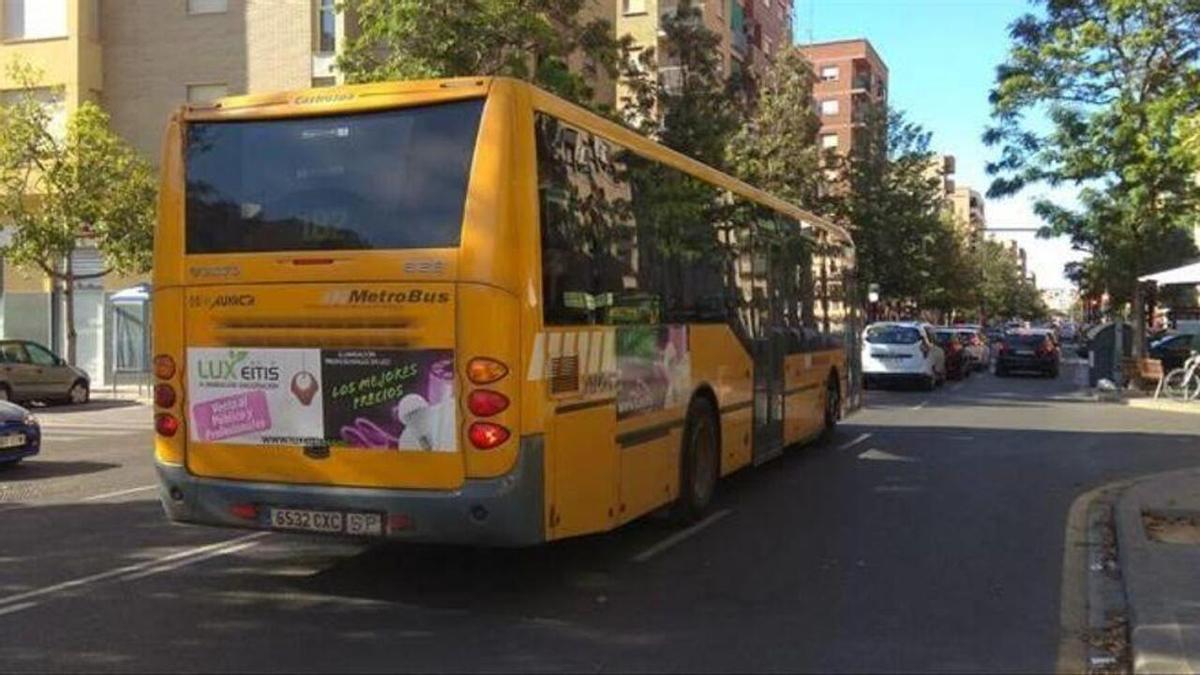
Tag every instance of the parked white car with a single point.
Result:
(902, 351)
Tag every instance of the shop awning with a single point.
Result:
(1188, 274)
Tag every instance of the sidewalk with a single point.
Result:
(124, 392)
(1158, 539)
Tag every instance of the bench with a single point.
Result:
(1151, 370)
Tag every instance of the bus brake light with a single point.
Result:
(164, 395)
(485, 435)
(166, 424)
(485, 403)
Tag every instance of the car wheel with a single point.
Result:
(700, 462)
(79, 393)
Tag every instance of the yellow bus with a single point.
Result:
(467, 311)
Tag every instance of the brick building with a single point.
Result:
(851, 76)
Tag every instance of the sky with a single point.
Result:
(942, 57)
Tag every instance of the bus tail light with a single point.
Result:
(485, 403)
(482, 370)
(485, 435)
(166, 424)
(164, 395)
(164, 367)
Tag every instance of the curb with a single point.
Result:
(1156, 641)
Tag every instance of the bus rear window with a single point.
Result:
(382, 180)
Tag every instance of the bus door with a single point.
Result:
(770, 348)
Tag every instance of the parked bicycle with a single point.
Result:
(1183, 384)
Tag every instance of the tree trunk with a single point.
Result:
(69, 310)
(1139, 321)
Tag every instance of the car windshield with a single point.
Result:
(966, 336)
(893, 335)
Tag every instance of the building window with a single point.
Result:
(35, 19)
(829, 141)
(207, 6)
(829, 107)
(206, 93)
(323, 81)
(830, 73)
(51, 101)
(326, 27)
(633, 6)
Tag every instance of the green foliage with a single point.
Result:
(1117, 79)
(532, 40)
(906, 244)
(60, 190)
(1002, 291)
(776, 147)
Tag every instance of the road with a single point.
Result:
(927, 535)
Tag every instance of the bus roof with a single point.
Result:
(362, 97)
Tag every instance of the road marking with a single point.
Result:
(17, 608)
(119, 493)
(192, 555)
(921, 405)
(189, 561)
(851, 444)
(680, 536)
(881, 456)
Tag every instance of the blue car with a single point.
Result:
(20, 435)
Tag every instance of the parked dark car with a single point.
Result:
(30, 372)
(958, 364)
(1027, 350)
(1173, 350)
(20, 435)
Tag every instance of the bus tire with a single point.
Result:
(699, 461)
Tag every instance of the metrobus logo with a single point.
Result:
(362, 296)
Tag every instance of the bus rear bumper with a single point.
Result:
(503, 511)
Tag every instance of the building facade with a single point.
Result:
(851, 78)
(140, 60)
(752, 32)
(968, 208)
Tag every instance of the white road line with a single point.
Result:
(195, 555)
(920, 405)
(119, 493)
(679, 536)
(17, 608)
(189, 561)
(850, 444)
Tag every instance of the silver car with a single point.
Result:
(30, 372)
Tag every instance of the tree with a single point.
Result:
(532, 40)
(681, 97)
(776, 147)
(895, 205)
(1115, 79)
(58, 191)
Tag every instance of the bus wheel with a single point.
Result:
(699, 462)
(833, 405)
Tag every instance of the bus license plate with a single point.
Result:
(328, 522)
(12, 440)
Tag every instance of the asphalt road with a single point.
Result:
(928, 535)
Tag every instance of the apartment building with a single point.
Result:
(968, 208)
(751, 31)
(851, 77)
(141, 59)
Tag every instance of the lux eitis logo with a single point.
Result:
(236, 367)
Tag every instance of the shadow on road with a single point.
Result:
(37, 469)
